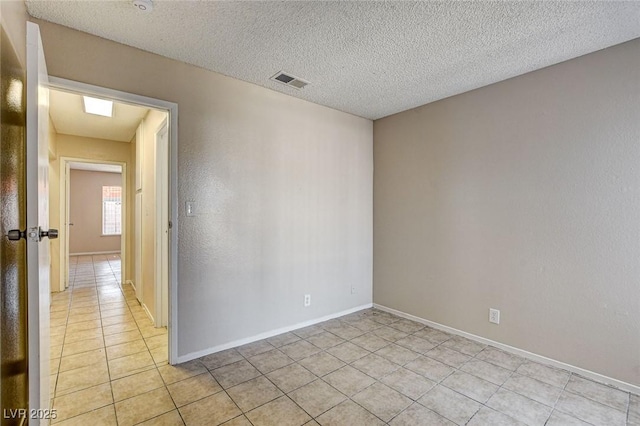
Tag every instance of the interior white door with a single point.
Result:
(38, 293)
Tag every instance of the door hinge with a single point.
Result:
(170, 224)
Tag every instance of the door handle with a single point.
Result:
(52, 234)
(16, 235)
(70, 224)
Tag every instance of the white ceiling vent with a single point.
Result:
(289, 80)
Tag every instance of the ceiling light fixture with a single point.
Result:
(98, 106)
(143, 5)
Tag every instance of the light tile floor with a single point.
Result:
(367, 368)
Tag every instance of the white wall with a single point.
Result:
(283, 192)
(522, 196)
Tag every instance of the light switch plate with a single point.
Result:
(190, 208)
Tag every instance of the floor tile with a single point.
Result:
(433, 335)
(348, 380)
(407, 326)
(299, 350)
(82, 346)
(130, 364)
(234, 374)
(254, 348)
(124, 349)
(519, 407)
(212, 410)
(533, 389)
(266, 362)
(416, 344)
(321, 363)
(316, 397)
(598, 392)
(558, 418)
(487, 371)
(279, 412)
(634, 410)
(105, 416)
(471, 386)
(348, 413)
(500, 358)
(238, 421)
(192, 389)
(430, 368)
(452, 405)
(487, 416)
(82, 378)
(464, 345)
(252, 394)
(82, 359)
(408, 383)
(173, 373)
(136, 384)
(398, 354)
(370, 342)
(417, 414)
(143, 407)
(308, 331)
(375, 366)
(382, 401)
(448, 356)
(157, 341)
(390, 334)
(549, 375)
(220, 359)
(172, 418)
(590, 411)
(291, 377)
(124, 337)
(325, 340)
(283, 339)
(81, 402)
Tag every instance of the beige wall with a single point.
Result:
(92, 149)
(521, 196)
(85, 212)
(283, 192)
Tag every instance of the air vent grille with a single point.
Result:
(289, 80)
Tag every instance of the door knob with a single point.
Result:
(16, 234)
(51, 233)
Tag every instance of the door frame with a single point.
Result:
(65, 197)
(172, 110)
(162, 226)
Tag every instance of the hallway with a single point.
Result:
(101, 339)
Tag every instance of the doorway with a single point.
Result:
(135, 211)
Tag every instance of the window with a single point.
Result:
(111, 210)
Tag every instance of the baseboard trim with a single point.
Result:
(148, 313)
(90, 253)
(516, 351)
(267, 334)
(131, 284)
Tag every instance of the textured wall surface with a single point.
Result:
(522, 196)
(85, 203)
(283, 192)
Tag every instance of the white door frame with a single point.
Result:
(172, 109)
(162, 226)
(65, 196)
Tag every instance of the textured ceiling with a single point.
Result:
(68, 117)
(368, 58)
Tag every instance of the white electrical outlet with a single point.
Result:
(494, 316)
(353, 289)
(307, 300)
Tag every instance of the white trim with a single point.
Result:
(90, 253)
(172, 109)
(516, 351)
(267, 334)
(131, 284)
(148, 312)
(161, 246)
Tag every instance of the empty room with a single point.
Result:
(404, 213)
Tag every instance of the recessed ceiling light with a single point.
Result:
(98, 106)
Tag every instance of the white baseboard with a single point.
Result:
(267, 334)
(131, 284)
(90, 253)
(520, 352)
(153, 321)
